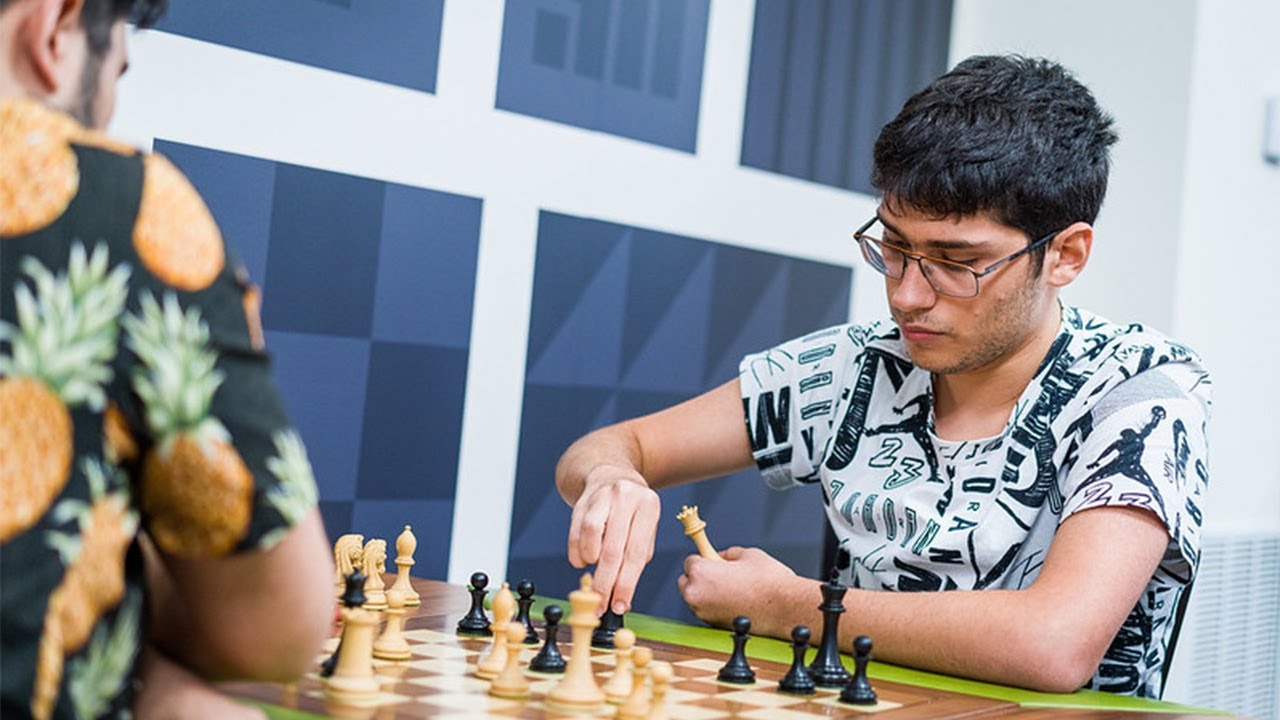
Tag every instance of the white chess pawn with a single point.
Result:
(618, 687)
(406, 544)
(511, 682)
(504, 607)
(392, 645)
(637, 705)
(660, 673)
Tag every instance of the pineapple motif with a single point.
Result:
(94, 581)
(60, 349)
(175, 234)
(40, 173)
(196, 489)
(296, 493)
(95, 680)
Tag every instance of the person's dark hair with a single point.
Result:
(98, 16)
(1018, 138)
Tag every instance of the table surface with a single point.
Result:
(438, 680)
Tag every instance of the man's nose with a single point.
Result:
(912, 291)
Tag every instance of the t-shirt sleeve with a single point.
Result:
(789, 397)
(225, 471)
(1148, 449)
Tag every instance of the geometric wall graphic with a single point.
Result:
(392, 41)
(367, 297)
(626, 67)
(826, 75)
(626, 321)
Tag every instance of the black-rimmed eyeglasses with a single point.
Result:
(945, 276)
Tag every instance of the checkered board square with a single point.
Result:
(439, 681)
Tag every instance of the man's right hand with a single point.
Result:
(613, 526)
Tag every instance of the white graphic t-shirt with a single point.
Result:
(1115, 416)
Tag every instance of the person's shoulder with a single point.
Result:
(1134, 357)
(1099, 340)
(175, 235)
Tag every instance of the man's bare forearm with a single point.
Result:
(614, 446)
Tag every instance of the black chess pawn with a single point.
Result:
(475, 622)
(548, 659)
(352, 597)
(736, 670)
(826, 668)
(610, 624)
(798, 681)
(859, 691)
(525, 590)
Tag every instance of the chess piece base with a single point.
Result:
(393, 653)
(574, 704)
(859, 697)
(359, 692)
(830, 678)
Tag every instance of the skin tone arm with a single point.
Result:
(1049, 636)
(1052, 634)
(255, 616)
(610, 476)
(171, 692)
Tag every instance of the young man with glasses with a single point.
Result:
(1043, 465)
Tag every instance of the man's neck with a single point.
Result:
(977, 404)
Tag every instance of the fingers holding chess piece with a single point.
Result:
(696, 529)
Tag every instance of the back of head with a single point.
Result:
(1018, 138)
(98, 16)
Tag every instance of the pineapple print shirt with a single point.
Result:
(134, 395)
(1115, 416)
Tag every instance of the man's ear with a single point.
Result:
(1068, 254)
(43, 35)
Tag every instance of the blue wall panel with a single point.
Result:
(626, 321)
(392, 41)
(826, 75)
(626, 67)
(367, 298)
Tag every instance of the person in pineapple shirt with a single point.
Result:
(1016, 485)
(156, 508)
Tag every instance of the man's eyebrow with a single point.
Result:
(957, 244)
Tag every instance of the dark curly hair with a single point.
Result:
(98, 16)
(1018, 138)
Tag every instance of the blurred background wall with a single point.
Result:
(484, 228)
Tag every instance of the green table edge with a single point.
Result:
(670, 631)
(705, 638)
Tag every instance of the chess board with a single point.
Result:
(439, 682)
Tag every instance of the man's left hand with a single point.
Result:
(749, 582)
